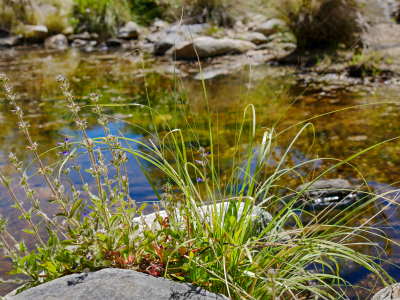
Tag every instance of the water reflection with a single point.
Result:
(338, 135)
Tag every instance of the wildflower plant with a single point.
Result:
(201, 232)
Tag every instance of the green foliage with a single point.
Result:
(100, 226)
(14, 14)
(103, 17)
(365, 64)
(321, 24)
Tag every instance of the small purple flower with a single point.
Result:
(86, 214)
(59, 144)
(200, 179)
(65, 152)
(199, 162)
(67, 140)
(208, 153)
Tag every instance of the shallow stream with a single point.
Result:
(270, 89)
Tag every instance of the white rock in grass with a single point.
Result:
(261, 218)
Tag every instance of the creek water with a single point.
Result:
(272, 90)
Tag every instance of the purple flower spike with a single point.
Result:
(208, 153)
(200, 179)
(199, 162)
(59, 144)
(67, 140)
(86, 214)
(65, 152)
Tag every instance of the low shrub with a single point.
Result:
(102, 17)
(321, 24)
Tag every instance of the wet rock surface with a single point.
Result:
(325, 192)
(391, 292)
(116, 284)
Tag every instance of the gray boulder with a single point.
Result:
(391, 292)
(83, 36)
(324, 192)
(130, 31)
(116, 284)
(254, 37)
(10, 41)
(209, 47)
(271, 26)
(59, 42)
(78, 43)
(36, 32)
(188, 29)
(156, 36)
(167, 42)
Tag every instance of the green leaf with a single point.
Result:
(49, 266)
(101, 236)
(75, 207)
(142, 207)
(28, 231)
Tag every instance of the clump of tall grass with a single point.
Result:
(321, 24)
(225, 251)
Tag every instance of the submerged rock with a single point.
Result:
(209, 47)
(116, 284)
(391, 292)
(324, 192)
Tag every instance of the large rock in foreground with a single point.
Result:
(391, 292)
(116, 284)
(209, 47)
